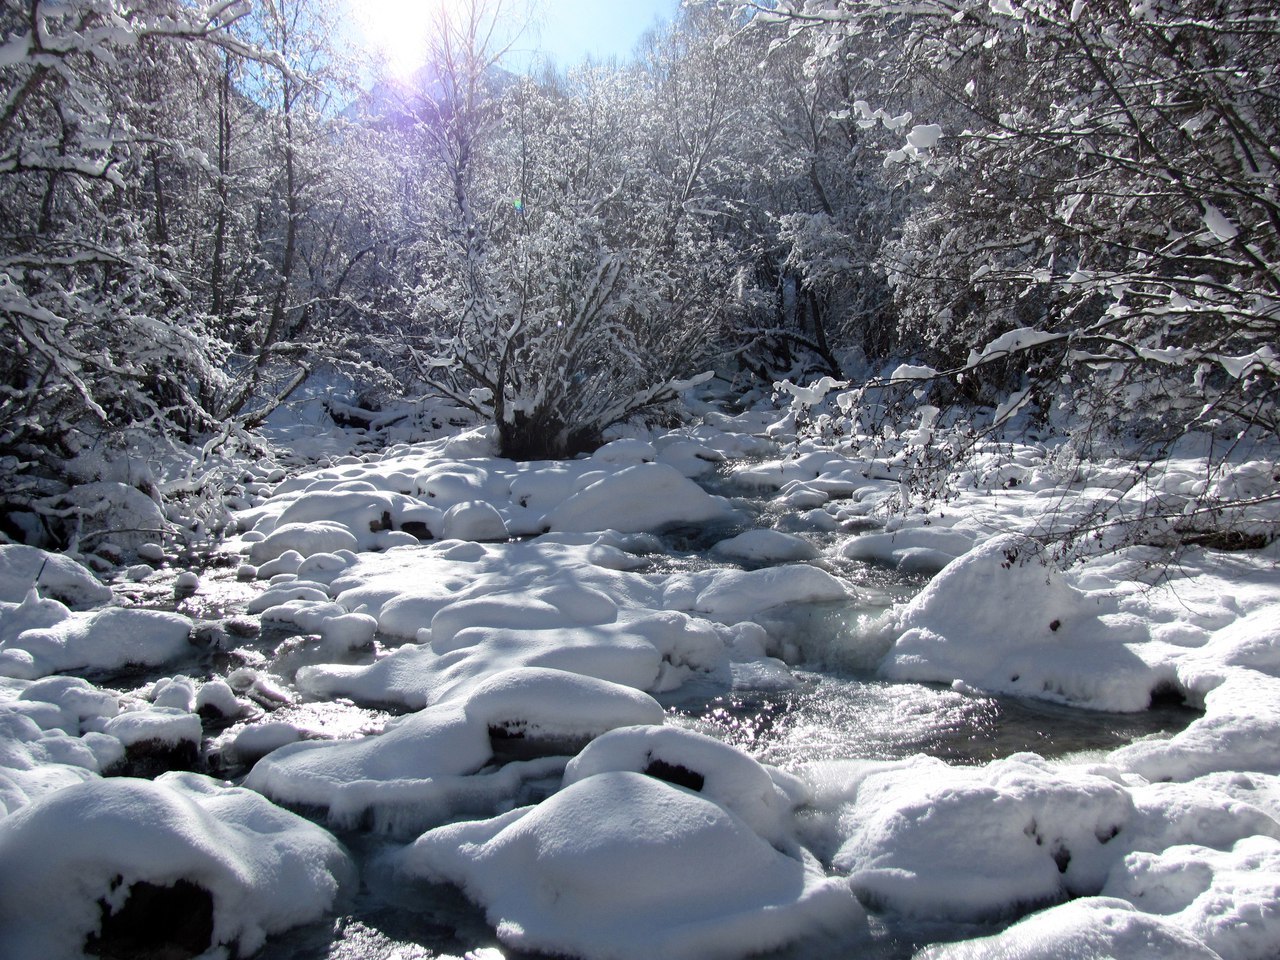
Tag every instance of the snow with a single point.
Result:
(940, 842)
(59, 577)
(765, 546)
(1088, 927)
(264, 869)
(96, 640)
(432, 765)
(534, 626)
(642, 497)
(548, 876)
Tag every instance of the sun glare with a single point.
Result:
(395, 31)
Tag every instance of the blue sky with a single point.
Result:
(573, 29)
(565, 31)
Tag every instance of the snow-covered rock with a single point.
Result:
(620, 865)
(54, 575)
(647, 496)
(434, 764)
(250, 868)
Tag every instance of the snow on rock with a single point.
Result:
(620, 865)
(734, 595)
(304, 539)
(240, 868)
(965, 843)
(764, 798)
(913, 550)
(56, 576)
(654, 652)
(475, 520)
(647, 496)
(96, 640)
(628, 451)
(1058, 646)
(1238, 732)
(766, 546)
(1225, 898)
(338, 629)
(1093, 927)
(433, 765)
(38, 758)
(115, 513)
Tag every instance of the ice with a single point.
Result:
(552, 877)
(260, 869)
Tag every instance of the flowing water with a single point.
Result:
(836, 710)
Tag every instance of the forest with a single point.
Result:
(809, 488)
(1011, 209)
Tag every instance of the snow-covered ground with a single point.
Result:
(520, 621)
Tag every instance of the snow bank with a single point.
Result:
(622, 865)
(252, 868)
(1225, 898)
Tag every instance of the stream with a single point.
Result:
(836, 710)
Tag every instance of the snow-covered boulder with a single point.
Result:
(1224, 898)
(967, 843)
(473, 520)
(434, 764)
(232, 866)
(56, 576)
(624, 866)
(764, 798)
(765, 546)
(647, 496)
(1094, 927)
(998, 619)
(97, 640)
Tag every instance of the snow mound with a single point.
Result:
(1058, 646)
(764, 798)
(56, 576)
(1092, 927)
(1238, 732)
(765, 546)
(647, 496)
(1227, 899)
(433, 765)
(252, 868)
(962, 843)
(96, 640)
(620, 866)
(735, 595)
(475, 520)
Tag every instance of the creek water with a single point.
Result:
(837, 709)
